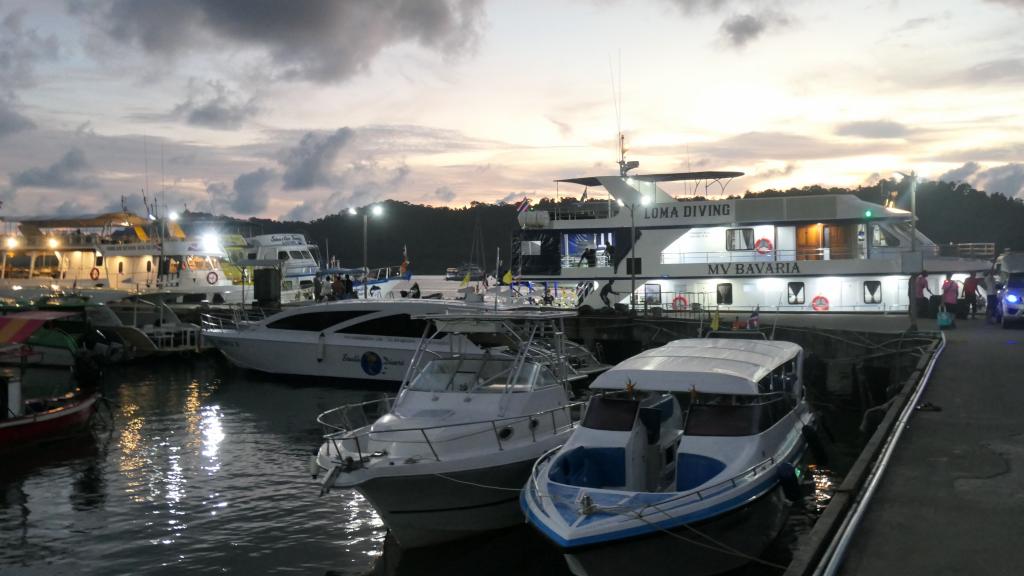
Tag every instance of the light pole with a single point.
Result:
(911, 285)
(376, 210)
(631, 255)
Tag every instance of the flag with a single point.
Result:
(465, 281)
(523, 205)
(507, 278)
(716, 321)
(755, 317)
(584, 197)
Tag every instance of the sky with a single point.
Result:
(296, 110)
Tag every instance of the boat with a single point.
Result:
(55, 336)
(290, 253)
(449, 455)
(809, 254)
(116, 252)
(682, 463)
(367, 340)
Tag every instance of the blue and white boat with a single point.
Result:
(680, 461)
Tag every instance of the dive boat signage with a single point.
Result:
(753, 268)
(690, 211)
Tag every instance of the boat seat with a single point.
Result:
(692, 470)
(591, 468)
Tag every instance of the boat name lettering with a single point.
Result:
(753, 269)
(346, 357)
(688, 211)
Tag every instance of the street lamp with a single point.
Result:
(918, 265)
(376, 210)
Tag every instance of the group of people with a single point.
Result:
(333, 288)
(951, 292)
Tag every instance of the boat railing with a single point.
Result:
(503, 430)
(798, 255)
(231, 318)
(982, 250)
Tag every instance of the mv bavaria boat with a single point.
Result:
(116, 252)
(827, 253)
(679, 463)
(450, 455)
(367, 340)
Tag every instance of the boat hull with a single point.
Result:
(427, 509)
(17, 432)
(682, 550)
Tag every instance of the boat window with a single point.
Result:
(218, 298)
(795, 294)
(872, 292)
(99, 260)
(652, 294)
(881, 237)
(395, 325)
(1015, 280)
(295, 255)
(304, 284)
(739, 239)
(282, 255)
(307, 255)
(149, 265)
(251, 256)
(530, 247)
(120, 267)
(286, 285)
(315, 321)
(475, 375)
(724, 293)
(609, 413)
(732, 415)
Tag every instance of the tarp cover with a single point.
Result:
(18, 327)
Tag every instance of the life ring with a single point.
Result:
(680, 302)
(212, 278)
(763, 246)
(819, 303)
(94, 273)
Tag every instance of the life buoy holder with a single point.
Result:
(680, 302)
(212, 278)
(763, 246)
(94, 273)
(819, 303)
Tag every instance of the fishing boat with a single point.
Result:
(682, 462)
(643, 247)
(449, 455)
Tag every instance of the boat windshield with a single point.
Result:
(476, 375)
(1015, 281)
(732, 415)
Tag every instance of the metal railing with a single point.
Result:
(798, 255)
(496, 427)
(232, 318)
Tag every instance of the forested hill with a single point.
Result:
(441, 237)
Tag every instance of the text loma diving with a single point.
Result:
(688, 211)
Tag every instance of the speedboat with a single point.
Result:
(448, 458)
(371, 340)
(682, 462)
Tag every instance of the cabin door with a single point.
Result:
(810, 241)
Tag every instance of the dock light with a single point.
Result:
(352, 211)
(173, 216)
(377, 210)
(11, 242)
(210, 242)
(1012, 298)
(52, 243)
(644, 200)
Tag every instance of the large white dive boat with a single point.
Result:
(450, 455)
(369, 340)
(116, 252)
(829, 253)
(680, 461)
(292, 254)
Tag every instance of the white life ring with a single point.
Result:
(819, 303)
(680, 302)
(763, 246)
(212, 278)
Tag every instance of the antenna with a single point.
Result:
(624, 167)
(145, 155)
(163, 192)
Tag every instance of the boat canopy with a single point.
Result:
(33, 227)
(18, 327)
(709, 365)
(489, 322)
(670, 177)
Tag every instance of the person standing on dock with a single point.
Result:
(991, 300)
(920, 286)
(949, 293)
(971, 295)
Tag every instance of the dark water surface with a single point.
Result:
(205, 469)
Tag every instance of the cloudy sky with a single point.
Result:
(302, 108)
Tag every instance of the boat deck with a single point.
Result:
(952, 498)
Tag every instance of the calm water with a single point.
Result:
(205, 470)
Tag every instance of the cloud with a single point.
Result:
(309, 164)
(1010, 152)
(12, 122)
(995, 71)
(741, 29)
(872, 129)
(445, 194)
(217, 108)
(361, 184)
(1007, 179)
(699, 6)
(753, 147)
(20, 50)
(251, 195)
(961, 173)
(71, 171)
(309, 40)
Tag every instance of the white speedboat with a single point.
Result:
(367, 340)
(450, 455)
(680, 461)
(810, 254)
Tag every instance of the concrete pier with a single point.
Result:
(952, 498)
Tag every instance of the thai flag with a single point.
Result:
(523, 205)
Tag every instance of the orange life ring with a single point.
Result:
(680, 302)
(763, 246)
(819, 303)
(212, 278)
(94, 273)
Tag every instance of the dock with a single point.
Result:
(952, 498)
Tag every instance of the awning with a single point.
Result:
(18, 327)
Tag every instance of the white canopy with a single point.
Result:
(713, 365)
